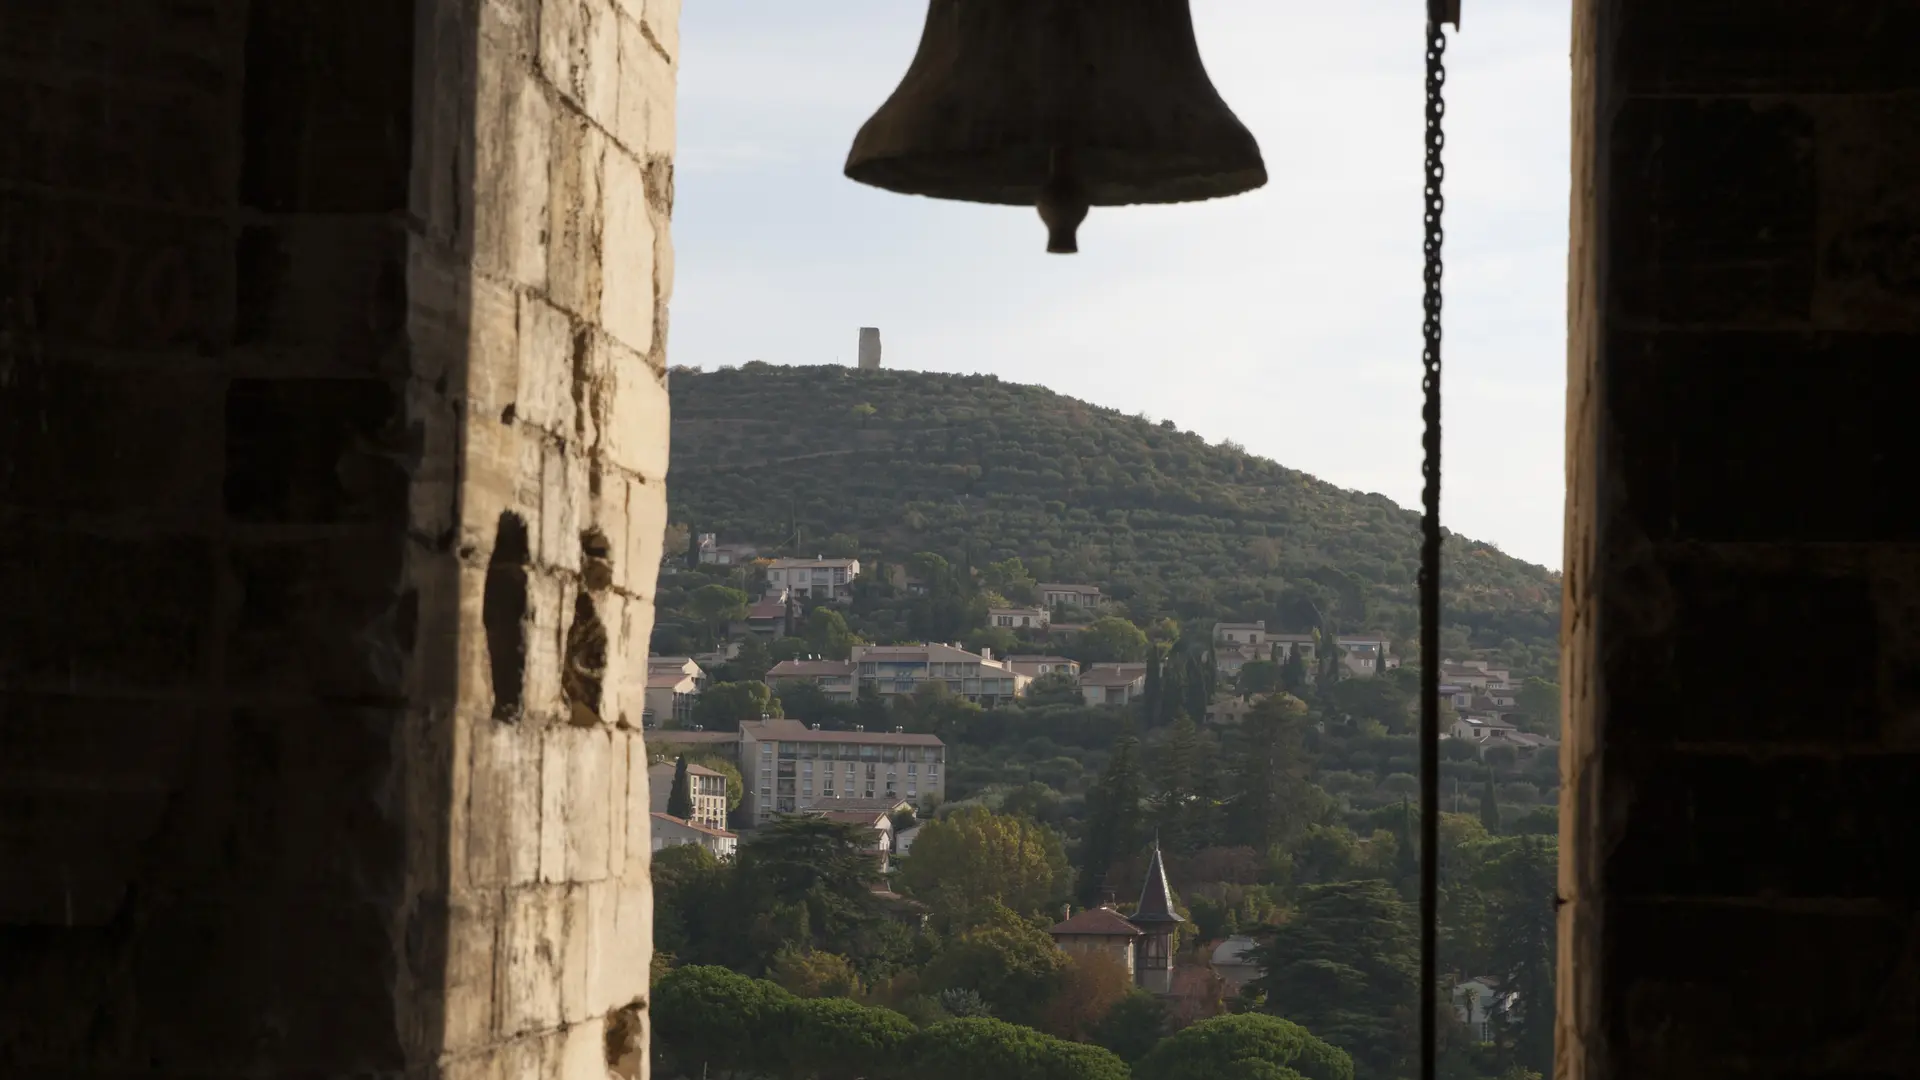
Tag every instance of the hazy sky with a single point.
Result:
(1287, 320)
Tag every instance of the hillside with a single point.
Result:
(981, 470)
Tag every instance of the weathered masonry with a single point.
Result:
(1742, 657)
(333, 436)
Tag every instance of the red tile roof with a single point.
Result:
(1096, 922)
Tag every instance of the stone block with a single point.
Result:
(1869, 214)
(580, 54)
(1765, 437)
(582, 1053)
(490, 481)
(324, 296)
(555, 772)
(663, 25)
(622, 744)
(574, 968)
(315, 450)
(585, 816)
(545, 395)
(473, 928)
(647, 532)
(511, 174)
(1687, 246)
(644, 123)
(627, 298)
(533, 958)
(493, 355)
(320, 618)
(629, 967)
(638, 426)
(433, 504)
(607, 512)
(576, 215)
(545, 594)
(639, 807)
(1736, 46)
(563, 493)
(503, 828)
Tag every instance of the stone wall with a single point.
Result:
(1742, 663)
(332, 435)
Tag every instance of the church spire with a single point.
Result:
(1156, 899)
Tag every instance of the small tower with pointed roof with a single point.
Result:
(1156, 920)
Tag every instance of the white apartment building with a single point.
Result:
(708, 788)
(1234, 633)
(818, 579)
(670, 831)
(903, 669)
(788, 765)
(1019, 618)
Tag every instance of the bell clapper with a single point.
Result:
(1062, 204)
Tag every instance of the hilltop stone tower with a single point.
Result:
(869, 348)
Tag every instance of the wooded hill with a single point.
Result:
(809, 459)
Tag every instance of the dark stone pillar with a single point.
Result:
(1743, 543)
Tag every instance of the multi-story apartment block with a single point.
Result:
(1234, 633)
(1055, 594)
(708, 788)
(818, 579)
(1019, 618)
(903, 669)
(787, 765)
(836, 678)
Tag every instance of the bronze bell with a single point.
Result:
(1059, 105)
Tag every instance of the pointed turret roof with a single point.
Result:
(1156, 899)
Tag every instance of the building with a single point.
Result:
(708, 788)
(835, 678)
(670, 831)
(815, 579)
(869, 348)
(1075, 596)
(1100, 930)
(1156, 918)
(1234, 633)
(767, 617)
(903, 669)
(788, 765)
(1019, 618)
(1229, 659)
(1362, 654)
(670, 697)
(1232, 961)
(1033, 666)
(861, 804)
(686, 665)
(1113, 684)
(1476, 674)
(1479, 1004)
(878, 822)
(714, 553)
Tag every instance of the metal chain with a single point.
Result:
(1430, 567)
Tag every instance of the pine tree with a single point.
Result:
(1114, 823)
(1490, 807)
(1175, 784)
(1523, 920)
(1271, 799)
(680, 797)
(693, 544)
(1154, 688)
(1293, 674)
(1406, 862)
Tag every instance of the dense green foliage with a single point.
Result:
(981, 471)
(1247, 1047)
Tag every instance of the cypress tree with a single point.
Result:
(1114, 825)
(680, 797)
(1151, 695)
(1490, 807)
(693, 544)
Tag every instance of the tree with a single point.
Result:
(1490, 806)
(1054, 688)
(693, 547)
(751, 663)
(803, 700)
(1111, 640)
(841, 546)
(1346, 968)
(678, 538)
(1521, 883)
(1540, 700)
(716, 606)
(1155, 687)
(1272, 799)
(969, 862)
(827, 634)
(680, 796)
(999, 639)
(974, 1047)
(1293, 674)
(1115, 823)
(709, 1018)
(1014, 966)
(1181, 811)
(1245, 1047)
(801, 882)
(811, 973)
(1258, 677)
(725, 706)
(832, 1038)
(1092, 985)
(1011, 579)
(1134, 1026)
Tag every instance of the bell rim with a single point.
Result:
(938, 177)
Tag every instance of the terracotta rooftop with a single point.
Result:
(808, 668)
(1096, 922)
(694, 825)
